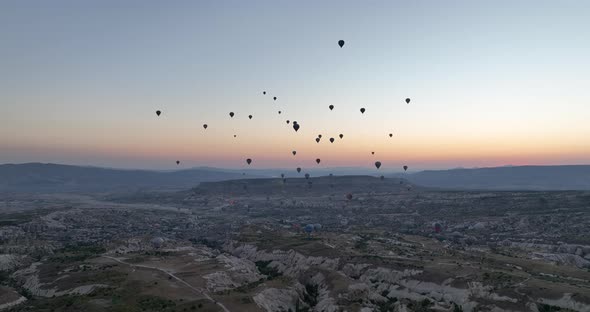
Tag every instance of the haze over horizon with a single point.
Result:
(491, 84)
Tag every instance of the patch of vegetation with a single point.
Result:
(422, 306)
(311, 295)
(264, 268)
(550, 308)
(77, 252)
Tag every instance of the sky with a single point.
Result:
(491, 83)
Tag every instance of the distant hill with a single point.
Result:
(507, 178)
(53, 178)
(313, 186)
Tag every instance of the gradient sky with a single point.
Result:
(491, 82)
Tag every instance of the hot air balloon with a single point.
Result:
(341, 135)
(317, 160)
(282, 175)
(264, 92)
(319, 136)
(158, 112)
(317, 140)
(248, 161)
(288, 121)
(298, 169)
(279, 112)
(308, 228)
(231, 114)
(250, 116)
(307, 175)
(295, 126)
(349, 196)
(378, 164)
(274, 98)
(405, 168)
(437, 227)
(390, 135)
(331, 107)
(294, 152)
(331, 140)
(362, 110)
(408, 100)
(178, 162)
(205, 126)
(341, 43)
(235, 135)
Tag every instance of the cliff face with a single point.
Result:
(324, 284)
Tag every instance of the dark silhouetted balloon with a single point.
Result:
(235, 135)
(231, 114)
(288, 121)
(408, 100)
(331, 140)
(274, 98)
(341, 43)
(250, 116)
(307, 175)
(205, 126)
(158, 112)
(349, 196)
(279, 112)
(319, 136)
(298, 169)
(318, 160)
(178, 162)
(294, 152)
(391, 135)
(282, 175)
(264, 92)
(405, 168)
(362, 110)
(331, 107)
(341, 135)
(295, 126)
(317, 140)
(248, 161)
(378, 164)
(372, 153)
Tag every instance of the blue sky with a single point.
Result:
(491, 83)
